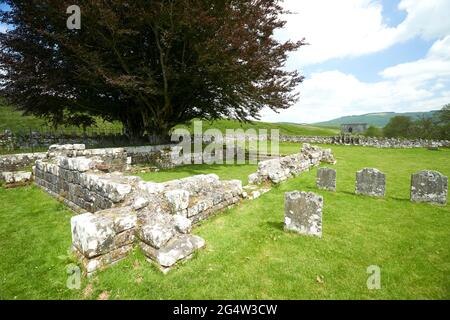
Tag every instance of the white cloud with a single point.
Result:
(414, 86)
(337, 29)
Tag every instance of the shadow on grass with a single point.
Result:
(276, 225)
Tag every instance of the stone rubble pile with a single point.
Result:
(281, 169)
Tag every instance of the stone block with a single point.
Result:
(326, 179)
(177, 199)
(156, 229)
(303, 213)
(92, 235)
(429, 186)
(179, 248)
(371, 182)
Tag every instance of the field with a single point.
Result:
(248, 255)
(15, 121)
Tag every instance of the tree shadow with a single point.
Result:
(276, 225)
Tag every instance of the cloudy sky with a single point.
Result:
(368, 56)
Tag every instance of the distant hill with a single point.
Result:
(378, 119)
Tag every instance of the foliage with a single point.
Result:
(399, 126)
(373, 131)
(148, 64)
(437, 127)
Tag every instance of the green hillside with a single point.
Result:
(285, 128)
(15, 121)
(379, 119)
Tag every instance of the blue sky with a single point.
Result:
(367, 56)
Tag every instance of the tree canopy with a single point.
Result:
(149, 64)
(436, 127)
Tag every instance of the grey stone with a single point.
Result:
(157, 229)
(182, 224)
(326, 179)
(140, 203)
(179, 248)
(371, 182)
(303, 213)
(178, 199)
(16, 177)
(429, 186)
(92, 235)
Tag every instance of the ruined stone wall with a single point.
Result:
(278, 170)
(80, 183)
(368, 141)
(15, 162)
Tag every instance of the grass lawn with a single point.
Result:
(248, 255)
(14, 120)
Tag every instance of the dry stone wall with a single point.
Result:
(368, 141)
(281, 169)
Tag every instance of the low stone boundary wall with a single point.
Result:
(368, 141)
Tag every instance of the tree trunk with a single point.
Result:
(159, 133)
(133, 128)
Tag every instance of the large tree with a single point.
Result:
(149, 64)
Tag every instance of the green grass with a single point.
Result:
(248, 255)
(16, 122)
(285, 128)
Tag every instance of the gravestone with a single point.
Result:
(371, 182)
(429, 186)
(326, 179)
(303, 213)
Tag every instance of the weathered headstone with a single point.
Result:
(303, 213)
(371, 182)
(326, 179)
(429, 186)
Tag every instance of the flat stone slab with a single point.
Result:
(429, 186)
(303, 213)
(179, 248)
(370, 182)
(326, 179)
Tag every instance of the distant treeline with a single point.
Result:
(436, 128)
